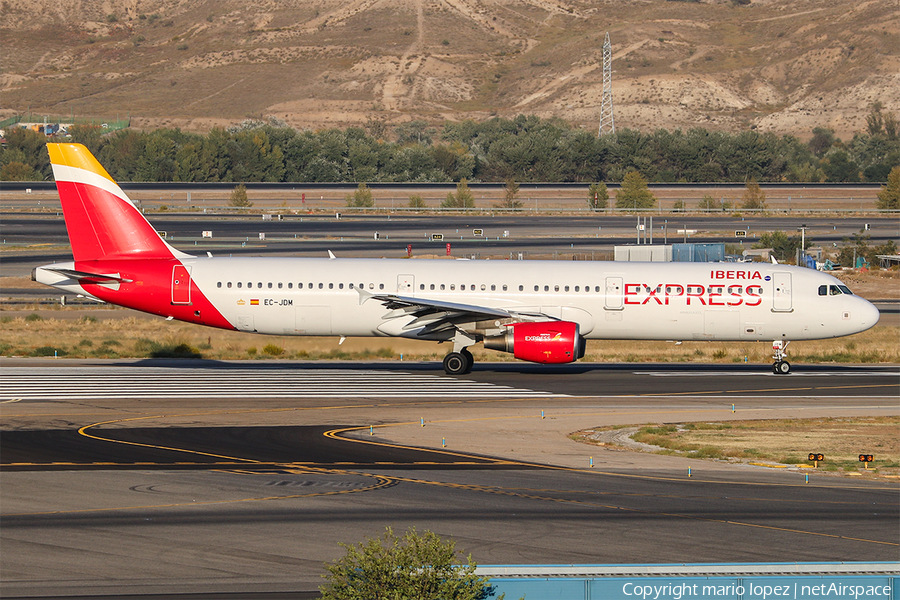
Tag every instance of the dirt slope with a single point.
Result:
(779, 65)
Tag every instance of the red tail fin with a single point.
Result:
(100, 219)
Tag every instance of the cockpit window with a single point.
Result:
(834, 290)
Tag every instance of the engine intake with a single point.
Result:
(549, 342)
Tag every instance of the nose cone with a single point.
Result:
(865, 315)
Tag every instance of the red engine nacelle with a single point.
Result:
(545, 342)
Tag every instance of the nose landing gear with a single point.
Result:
(781, 366)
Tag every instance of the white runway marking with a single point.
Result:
(765, 374)
(84, 383)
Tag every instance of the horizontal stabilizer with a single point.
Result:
(80, 275)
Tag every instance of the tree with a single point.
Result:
(598, 196)
(875, 120)
(412, 567)
(889, 195)
(708, 202)
(239, 197)
(634, 192)
(510, 191)
(754, 198)
(822, 140)
(783, 247)
(361, 198)
(857, 247)
(416, 201)
(462, 199)
(17, 171)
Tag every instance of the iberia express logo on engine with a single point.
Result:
(544, 337)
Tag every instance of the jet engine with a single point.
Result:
(543, 342)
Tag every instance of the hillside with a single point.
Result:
(780, 65)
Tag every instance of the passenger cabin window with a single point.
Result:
(219, 284)
(239, 284)
(229, 285)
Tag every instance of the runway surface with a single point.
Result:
(169, 477)
(587, 237)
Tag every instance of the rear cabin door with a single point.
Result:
(782, 293)
(181, 284)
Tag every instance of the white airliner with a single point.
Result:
(539, 311)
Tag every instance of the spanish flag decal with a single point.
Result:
(254, 302)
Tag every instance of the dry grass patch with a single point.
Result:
(104, 332)
(782, 441)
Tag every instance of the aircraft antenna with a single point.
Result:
(607, 120)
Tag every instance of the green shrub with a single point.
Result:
(48, 351)
(182, 350)
(34, 317)
(273, 350)
(413, 566)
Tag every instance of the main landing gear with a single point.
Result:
(458, 363)
(781, 366)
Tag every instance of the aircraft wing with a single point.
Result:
(437, 315)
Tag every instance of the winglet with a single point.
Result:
(774, 262)
(331, 255)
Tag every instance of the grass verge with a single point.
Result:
(779, 441)
(119, 333)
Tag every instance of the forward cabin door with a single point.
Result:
(782, 294)
(181, 284)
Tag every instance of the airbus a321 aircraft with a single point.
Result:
(539, 311)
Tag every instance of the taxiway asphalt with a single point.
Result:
(136, 488)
